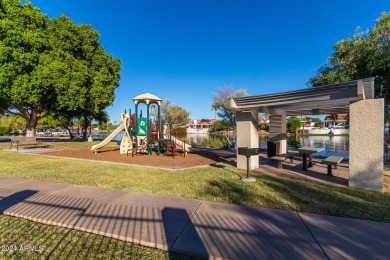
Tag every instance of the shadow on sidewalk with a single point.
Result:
(9, 201)
(170, 218)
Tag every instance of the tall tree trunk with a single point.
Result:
(31, 121)
(30, 132)
(70, 132)
(84, 130)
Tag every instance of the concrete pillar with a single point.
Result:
(277, 126)
(247, 136)
(366, 120)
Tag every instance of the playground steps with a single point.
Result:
(172, 148)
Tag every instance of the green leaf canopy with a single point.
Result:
(51, 65)
(366, 54)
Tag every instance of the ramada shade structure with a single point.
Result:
(366, 121)
(331, 99)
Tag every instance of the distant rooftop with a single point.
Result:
(202, 121)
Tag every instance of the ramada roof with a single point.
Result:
(331, 99)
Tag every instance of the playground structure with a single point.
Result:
(126, 144)
(142, 135)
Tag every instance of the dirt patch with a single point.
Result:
(197, 157)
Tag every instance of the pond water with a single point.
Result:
(334, 145)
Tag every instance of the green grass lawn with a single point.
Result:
(220, 183)
(23, 239)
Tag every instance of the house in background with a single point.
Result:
(263, 121)
(332, 124)
(307, 124)
(336, 121)
(200, 126)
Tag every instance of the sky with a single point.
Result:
(185, 50)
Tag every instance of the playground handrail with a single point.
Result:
(185, 147)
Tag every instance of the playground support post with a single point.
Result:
(162, 129)
(149, 130)
(170, 130)
(136, 125)
(158, 130)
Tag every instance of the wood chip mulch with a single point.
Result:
(197, 157)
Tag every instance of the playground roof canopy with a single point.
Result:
(147, 98)
(329, 99)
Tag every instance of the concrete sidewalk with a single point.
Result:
(194, 227)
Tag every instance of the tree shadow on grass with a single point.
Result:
(217, 155)
(230, 191)
(301, 196)
(222, 165)
(329, 200)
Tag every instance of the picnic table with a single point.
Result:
(307, 152)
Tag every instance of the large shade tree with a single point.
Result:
(174, 114)
(221, 102)
(366, 54)
(95, 73)
(51, 65)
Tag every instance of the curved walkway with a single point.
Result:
(194, 227)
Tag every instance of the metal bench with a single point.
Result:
(23, 140)
(280, 159)
(332, 160)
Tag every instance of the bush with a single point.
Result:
(219, 142)
(295, 143)
(264, 127)
(5, 130)
(216, 142)
(206, 142)
(220, 125)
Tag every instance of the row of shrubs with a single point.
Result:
(213, 142)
